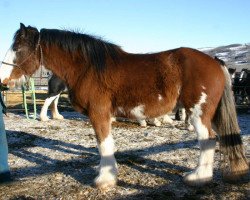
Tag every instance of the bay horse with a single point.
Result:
(104, 81)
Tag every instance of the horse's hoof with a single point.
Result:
(44, 119)
(192, 179)
(156, 123)
(105, 184)
(59, 117)
(113, 119)
(190, 127)
(143, 123)
(153, 121)
(167, 121)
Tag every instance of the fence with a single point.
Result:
(23, 91)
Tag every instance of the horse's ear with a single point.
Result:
(22, 29)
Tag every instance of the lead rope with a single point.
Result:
(41, 59)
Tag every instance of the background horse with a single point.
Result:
(241, 86)
(244, 82)
(55, 87)
(105, 81)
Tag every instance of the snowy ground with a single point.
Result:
(57, 160)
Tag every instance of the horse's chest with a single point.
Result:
(77, 103)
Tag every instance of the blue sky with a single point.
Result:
(136, 25)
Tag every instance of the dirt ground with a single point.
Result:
(58, 160)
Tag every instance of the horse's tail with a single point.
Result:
(234, 161)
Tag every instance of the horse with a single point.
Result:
(55, 87)
(232, 72)
(241, 86)
(103, 81)
(237, 87)
(244, 82)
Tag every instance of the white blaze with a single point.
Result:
(5, 70)
(242, 75)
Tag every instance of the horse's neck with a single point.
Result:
(62, 65)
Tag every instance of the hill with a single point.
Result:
(235, 55)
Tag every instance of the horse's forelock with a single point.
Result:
(31, 34)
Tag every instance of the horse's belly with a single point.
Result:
(143, 110)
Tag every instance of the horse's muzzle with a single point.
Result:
(3, 87)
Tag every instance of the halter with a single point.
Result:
(41, 56)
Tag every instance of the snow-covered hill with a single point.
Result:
(235, 55)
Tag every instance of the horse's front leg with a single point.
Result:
(108, 167)
(54, 109)
(44, 110)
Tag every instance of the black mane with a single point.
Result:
(220, 61)
(94, 50)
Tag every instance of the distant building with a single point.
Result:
(41, 76)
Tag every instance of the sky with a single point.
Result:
(138, 26)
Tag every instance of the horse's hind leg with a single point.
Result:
(44, 110)
(54, 109)
(154, 122)
(201, 120)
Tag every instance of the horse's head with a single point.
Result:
(243, 74)
(24, 55)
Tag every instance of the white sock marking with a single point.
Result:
(204, 170)
(108, 166)
(43, 114)
(55, 112)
